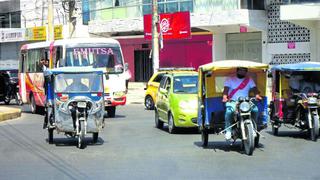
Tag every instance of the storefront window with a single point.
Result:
(252, 4)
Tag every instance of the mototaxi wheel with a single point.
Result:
(158, 122)
(275, 130)
(248, 144)
(314, 132)
(50, 135)
(7, 100)
(204, 137)
(148, 103)
(81, 135)
(95, 137)
(256, 140)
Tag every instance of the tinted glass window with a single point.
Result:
(162, 82)
(158, 78)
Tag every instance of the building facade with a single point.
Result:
(19, 20)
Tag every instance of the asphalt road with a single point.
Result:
(130, 147)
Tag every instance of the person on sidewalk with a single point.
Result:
(235, 87)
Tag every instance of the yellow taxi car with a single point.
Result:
(154, 82)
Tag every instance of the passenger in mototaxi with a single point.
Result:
(307, 82)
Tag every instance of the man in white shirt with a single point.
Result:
(235, 87)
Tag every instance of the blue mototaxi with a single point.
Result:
(292, 103)
(74, 102)
(211, 110)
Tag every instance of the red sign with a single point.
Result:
(172, 25)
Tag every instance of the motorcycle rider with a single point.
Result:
(235, 87)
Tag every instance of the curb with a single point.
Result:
(9, 113)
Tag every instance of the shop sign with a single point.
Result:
(171, 25)
(12, 35)
(58, 32)
(40, 33)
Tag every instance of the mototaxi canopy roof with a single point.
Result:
(232, 64)
(303, 66)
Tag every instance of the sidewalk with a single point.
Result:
(7, 112)
(136, 93)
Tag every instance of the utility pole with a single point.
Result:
(50, 28)
(50, 21)
(155, 36)
(72, 18)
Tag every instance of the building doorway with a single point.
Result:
(245, 46)
(142, 66)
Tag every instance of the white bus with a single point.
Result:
(101, 53)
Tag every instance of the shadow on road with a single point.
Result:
(181, 131)
(227, 147)
(70, 141)
(297, 134)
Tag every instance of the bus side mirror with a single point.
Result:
(107, 76)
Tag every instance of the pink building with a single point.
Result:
(191, 52)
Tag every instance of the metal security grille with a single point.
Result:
(284, 31)
(289, 58)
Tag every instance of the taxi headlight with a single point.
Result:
(187, 105)
(312, 100)
(245, 107)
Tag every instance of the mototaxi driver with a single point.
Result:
(235, 87)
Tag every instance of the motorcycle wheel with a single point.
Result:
(81, 136)
(95, 137)
(204, 138)
(111, 111)
(314, 132)
(158, 122)
(7, 100)
(249, 143)
(50, 135)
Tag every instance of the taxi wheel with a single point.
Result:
(204, 138)
(148, 102)
(171, 126)
(159, 124)
(95, 137)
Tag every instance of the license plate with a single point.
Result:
(82, 104)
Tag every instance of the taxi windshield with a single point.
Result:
(78, 82)
(185, 84)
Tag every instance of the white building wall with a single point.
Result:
(219, 47)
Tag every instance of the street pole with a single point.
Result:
(50, 29)
(50, 21)
(155, 36)
(72, 18)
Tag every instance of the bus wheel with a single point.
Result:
(111, 111)
(33, 105)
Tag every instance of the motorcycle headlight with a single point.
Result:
(244, 107)
(312, 100)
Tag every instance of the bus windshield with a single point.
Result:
(98, 57)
